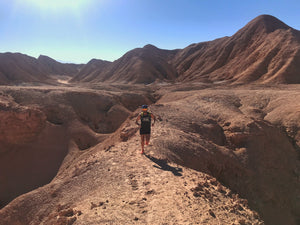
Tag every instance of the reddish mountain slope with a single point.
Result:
(53, 67)
(140, 65)
(16, 68)
(265, 51)
(91, 70)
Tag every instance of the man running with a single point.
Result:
(145, 126)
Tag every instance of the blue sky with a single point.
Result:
(79, 30)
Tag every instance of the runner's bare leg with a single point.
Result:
(147, 139)
(142, 142)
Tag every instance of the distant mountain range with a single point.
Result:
(16, 68)
(264, 51)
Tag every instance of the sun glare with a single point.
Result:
(58, 4)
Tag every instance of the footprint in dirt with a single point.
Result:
(133, 182)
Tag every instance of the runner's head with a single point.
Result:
(144, 108)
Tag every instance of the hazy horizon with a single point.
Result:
(76, 32)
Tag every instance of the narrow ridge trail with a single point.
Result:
(130, 188)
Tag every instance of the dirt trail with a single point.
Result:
(131, 188)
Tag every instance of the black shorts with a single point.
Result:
(145, 131)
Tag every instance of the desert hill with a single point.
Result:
(91, 70)
(140, 65)
(218, 155)
(51, 66)
(264, 51)
(17, 68)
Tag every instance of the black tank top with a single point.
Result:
(146, 120)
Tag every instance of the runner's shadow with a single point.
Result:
(163, 165)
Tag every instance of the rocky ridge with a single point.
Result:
(264, 51)
(228, 155)
(39, 128)
(17, 69)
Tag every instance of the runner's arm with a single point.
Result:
(154, 119)
(137, 119)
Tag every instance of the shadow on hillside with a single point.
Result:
(163, 165)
